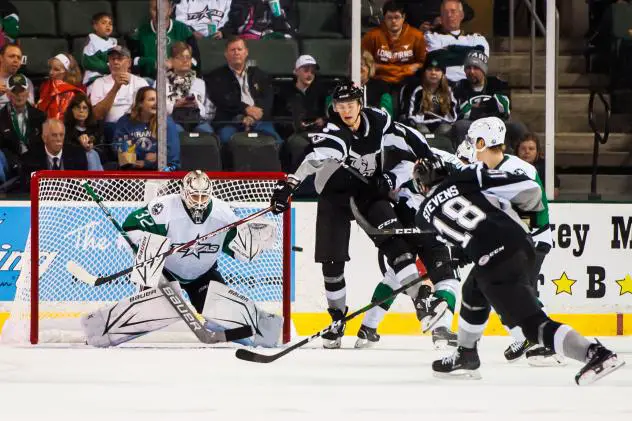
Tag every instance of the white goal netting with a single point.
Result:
(71, 227)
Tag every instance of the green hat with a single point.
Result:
(16, 81)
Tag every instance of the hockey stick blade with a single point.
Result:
(80, 273)
(247, 355)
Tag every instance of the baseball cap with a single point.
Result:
(305, 60)
(120, 50)
(477, 59)
(16, 81)
(491, 129)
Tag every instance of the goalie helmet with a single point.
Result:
(196, 194)
(429, 172)
(491, 130)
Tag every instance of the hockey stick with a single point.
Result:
(247, 355)
(83, 275)
(173, 297)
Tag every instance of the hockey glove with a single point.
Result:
(282, 193)
(382, 185)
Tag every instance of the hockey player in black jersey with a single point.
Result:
(356, 137)
(474, 210)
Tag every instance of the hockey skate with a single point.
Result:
(333, 338)
(367, 337)
(601, 362)
(429, 309)
(517, 350)
(442, 337)
(463, 363)
(544, 357)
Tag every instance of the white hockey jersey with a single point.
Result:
(199, 14)
(439, 40)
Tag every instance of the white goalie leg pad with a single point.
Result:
(225, 308)
(252, 238)
(134, 316)
(149, 246)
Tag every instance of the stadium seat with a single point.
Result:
(319, 20)
(76, 49)
(129, 14)
(251, 152)
(274, 56)
(37, 18)
(211, 54)
(75, 18)
(331, 54)
(38, 51)
(200, 151)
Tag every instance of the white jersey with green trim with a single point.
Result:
(170, 212)
(514, 165)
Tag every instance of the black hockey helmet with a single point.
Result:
(346, 92)
(429, 172)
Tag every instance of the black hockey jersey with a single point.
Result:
(378, 147)
(473, 209)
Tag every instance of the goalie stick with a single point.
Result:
(85, 276)
(247, 355)
(194, 322)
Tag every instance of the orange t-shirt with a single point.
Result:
(395, 55)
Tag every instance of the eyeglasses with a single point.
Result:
(183, 57)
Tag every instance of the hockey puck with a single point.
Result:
(297, 248)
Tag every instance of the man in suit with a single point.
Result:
(242, 94)
(20, 124)
(52, 153)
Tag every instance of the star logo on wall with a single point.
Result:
(625, 284)
(564, 284)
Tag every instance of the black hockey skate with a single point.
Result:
(333, 338)
(367, 337)
(601, 362)
(541, 356)
(429, 309)
(463, 363)
(443, 337)
(517, 350)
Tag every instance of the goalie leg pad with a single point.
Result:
(225, 308)
(128, 319)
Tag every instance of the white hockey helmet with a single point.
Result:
(466, 152)
(491, 129)
(196, 193)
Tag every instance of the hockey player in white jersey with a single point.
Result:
(487, 137)
(176, 219)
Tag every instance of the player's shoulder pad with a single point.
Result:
(378, 116)
(160, 206)
(518, 166)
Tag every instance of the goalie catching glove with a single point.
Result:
(282, 194)
(252, 238)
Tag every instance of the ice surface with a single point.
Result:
(391, 382)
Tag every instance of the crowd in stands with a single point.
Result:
(417, 64)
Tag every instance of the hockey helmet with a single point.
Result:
(346, 92)
(429, 172)
(466, 152)
(491, 129)
(196, 193)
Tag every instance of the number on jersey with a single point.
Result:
(466, 215)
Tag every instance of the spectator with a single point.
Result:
(10, 63)
(136, 135)
(261, 19)
(426, 14)
(63, 83)
(481, 96)
(52, 153)
(113, 95)
(430, 107)
(83, 130)
(95, 54)
(528, 149)
(144, 40)
(187, 101)
(376, 92)
(305, 99)
(399, 49)
(453, 43)
(242, 94)
(207, 18)
(20, 124)
(9, 23)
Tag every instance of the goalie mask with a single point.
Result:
(196, 194)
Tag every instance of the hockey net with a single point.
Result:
(67, 225)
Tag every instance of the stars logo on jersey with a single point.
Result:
(157, 208)
(519, 171)
(199, 248)
(201, 15)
